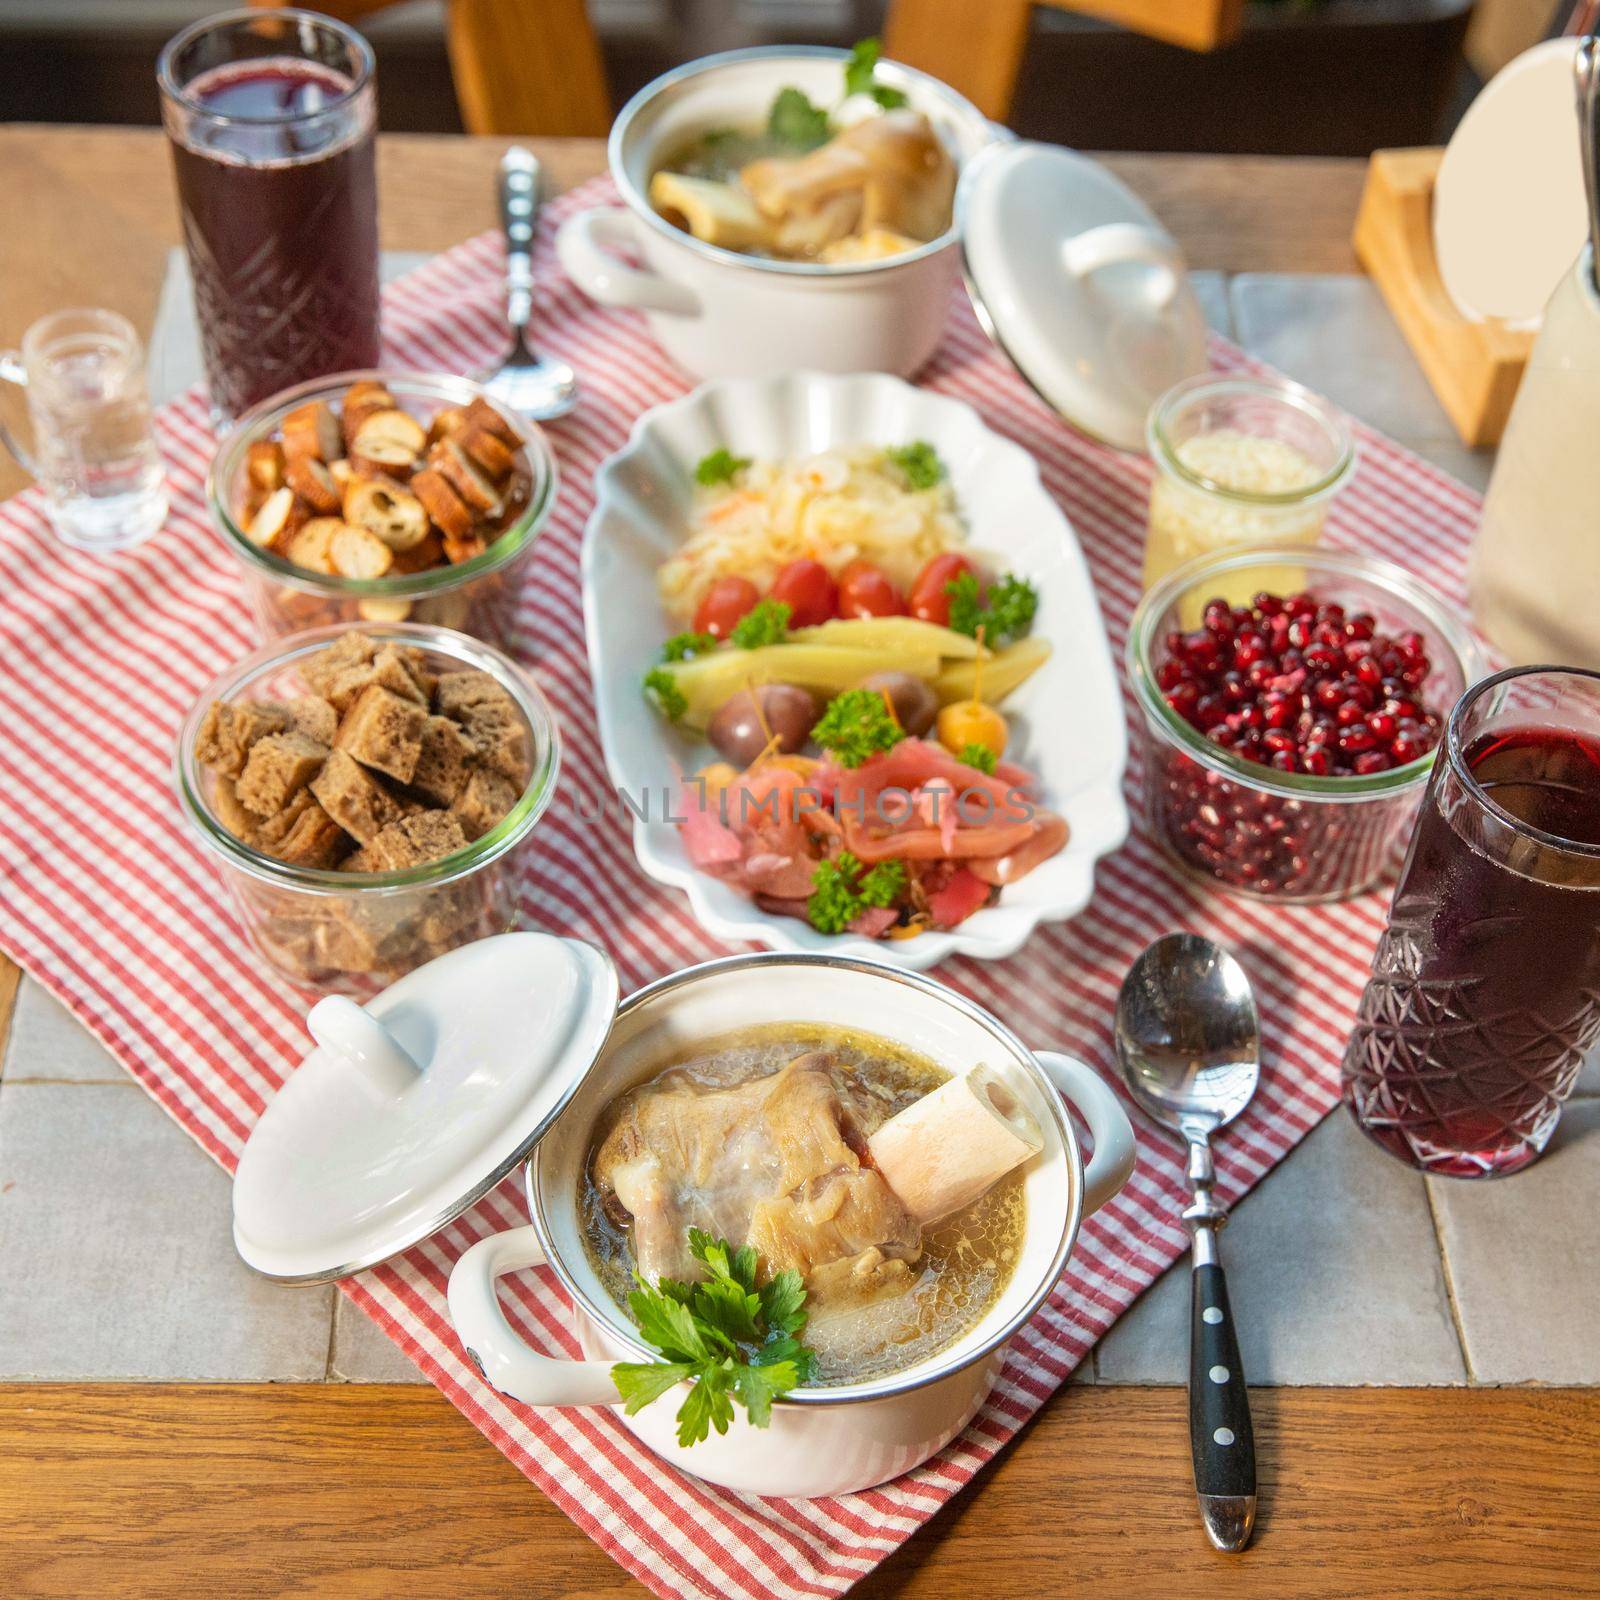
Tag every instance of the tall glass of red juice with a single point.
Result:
(1484, 999)
(271, 115)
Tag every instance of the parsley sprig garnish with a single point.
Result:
(727, 1336)
(681, 646)
(841, 891)
(661, 687)
(856, 726)
(1006, 612)
(766, 622)
(859, 75)
(794, 121)
(918, 462)
(979, 756)
(721, 466)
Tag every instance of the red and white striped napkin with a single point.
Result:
(107, 901)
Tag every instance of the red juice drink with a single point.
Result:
(1484, 999)
(271, 118)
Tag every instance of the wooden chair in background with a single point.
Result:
(520, 66)
(976, 45)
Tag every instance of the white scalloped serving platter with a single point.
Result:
(1067, 720)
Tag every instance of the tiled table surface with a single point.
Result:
(116, 1259)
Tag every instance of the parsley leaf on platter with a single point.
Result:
(721, 466)
(1006, 612)
(766, 622)
(841, 891)
(681, 646)
(979, 756)
(662, 688)
(918, 462)
(856, 726)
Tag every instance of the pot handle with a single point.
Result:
(1115, 1152)
(495, 1347)
(1114, 243)
(586, 246)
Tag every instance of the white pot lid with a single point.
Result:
(414, 1107)
(1509, 213)
(1079, 284)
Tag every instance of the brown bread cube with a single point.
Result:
(485, 799)
(352, 650)
(233, 816)
(413, 841)
(310, 714)
(312, 839)
(383, 730)
(455, 692)
(445, 762)
(228, 731)
(500, 737)
(358, 802)
(395, 669)
(341, 943)
(278, 765)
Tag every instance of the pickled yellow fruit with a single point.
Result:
(971, 722)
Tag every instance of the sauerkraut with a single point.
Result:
(837, 507)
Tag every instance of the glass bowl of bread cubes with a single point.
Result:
(366, 795)
(372, 497)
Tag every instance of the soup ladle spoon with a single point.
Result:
(1189, 1044)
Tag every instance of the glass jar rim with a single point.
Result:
(1458, 759)
(167, 77)
(1285, 392)
(405, 586)
(1294, 785)
(509, 831)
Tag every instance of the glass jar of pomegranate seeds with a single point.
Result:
(1240, 462)
(1287, 738)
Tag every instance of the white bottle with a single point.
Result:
(1535, 571)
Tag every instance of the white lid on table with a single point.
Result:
(412, 1108)
(1079, 284)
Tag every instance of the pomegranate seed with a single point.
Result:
(1382, 725)
(1269, 605)
(1300, 633)
(1300, 605)
(1329, 692)
(1315, 763)
(1218, 617)
(1360, 625)
(1183, 698)
(1284, 760)
(1404, 750)
(1369, 672)
(1369, 762)
(1349, 712)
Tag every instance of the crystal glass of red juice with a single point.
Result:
(271, 115)
(1484, 999)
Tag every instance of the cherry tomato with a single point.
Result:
(865, 591)
(725, 602)
(810, 593)
(928, 599)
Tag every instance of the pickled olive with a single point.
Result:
(915, 704)
(743, 723)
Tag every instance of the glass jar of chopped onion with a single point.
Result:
(1240, 461)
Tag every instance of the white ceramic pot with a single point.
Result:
(821, 1441)
(720, 314)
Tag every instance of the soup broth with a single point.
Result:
(965, 1261)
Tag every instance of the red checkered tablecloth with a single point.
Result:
(109, 903)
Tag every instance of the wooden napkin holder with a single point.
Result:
(1474, 367)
